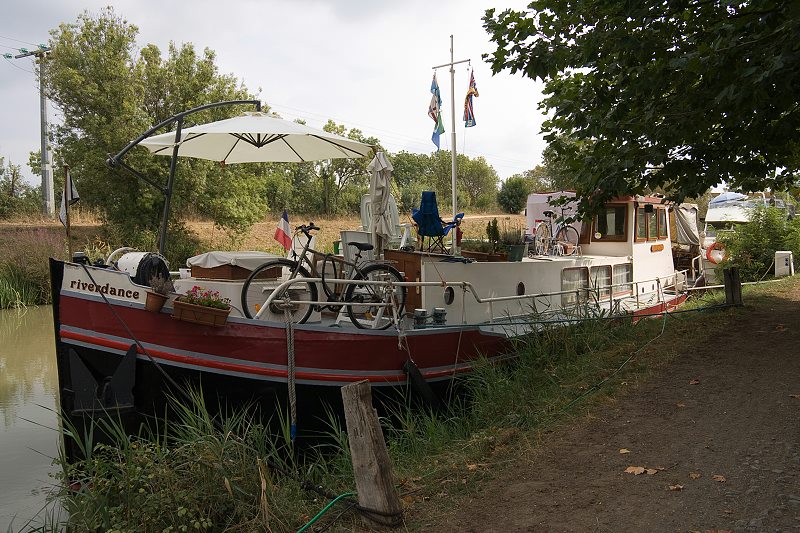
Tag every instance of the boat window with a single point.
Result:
(577, 281)
(623, 276)
(652, 225)
(641, 225)
(600, 277)
(662, 223)
(609, 223)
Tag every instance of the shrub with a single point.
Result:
(752, 246)
(513, 195)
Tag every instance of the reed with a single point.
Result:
(24, 270)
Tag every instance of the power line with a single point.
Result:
(18, 67)
(19, 40)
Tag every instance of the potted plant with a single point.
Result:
(513, 237)
(202, 306)
(160, 287)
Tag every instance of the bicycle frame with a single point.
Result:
(356, 266)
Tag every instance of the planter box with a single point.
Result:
(200, 314)
(477, 256)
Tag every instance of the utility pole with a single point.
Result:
(47, 171)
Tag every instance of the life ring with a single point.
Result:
(720, 255)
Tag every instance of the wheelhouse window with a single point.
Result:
(641, 225)
(623, 278)
(609, 224)
(651, 226)
(662, 223)
(600, 277)
(576, 281)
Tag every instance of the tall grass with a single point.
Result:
(24, 270)
(193, 472)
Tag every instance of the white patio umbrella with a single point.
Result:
(379, 191)
(257, 137)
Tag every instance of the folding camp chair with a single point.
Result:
(430, 226)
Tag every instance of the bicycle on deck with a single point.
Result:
(564, 241)
(369, 305)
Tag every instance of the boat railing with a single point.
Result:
(280, 293)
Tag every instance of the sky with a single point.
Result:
(363, 63)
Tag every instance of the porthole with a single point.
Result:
(520, 288)
(449, 295)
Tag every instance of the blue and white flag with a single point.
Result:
(435, 111)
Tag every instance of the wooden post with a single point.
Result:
(371, 466)
(66, 200)
(733, 286)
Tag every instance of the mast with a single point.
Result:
(453, 163)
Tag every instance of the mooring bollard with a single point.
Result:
(733, 286)
(372, 468)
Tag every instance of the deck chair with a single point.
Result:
(430, 226)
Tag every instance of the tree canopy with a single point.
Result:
(673, 94)
(110, 90)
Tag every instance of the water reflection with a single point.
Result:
(28, 434)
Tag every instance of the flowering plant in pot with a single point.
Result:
(160, 287)
(202, 306)
(205, 297)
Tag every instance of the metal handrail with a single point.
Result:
(466, 286)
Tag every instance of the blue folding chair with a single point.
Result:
(430, 226)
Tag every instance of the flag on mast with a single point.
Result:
(435, 111)
(283, 231)
(469, 113)
(69, 195)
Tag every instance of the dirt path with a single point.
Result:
(730, 409)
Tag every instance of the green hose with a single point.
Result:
(325, 510)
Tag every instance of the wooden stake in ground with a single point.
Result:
(371, 466)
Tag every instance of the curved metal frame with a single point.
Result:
(116, 160)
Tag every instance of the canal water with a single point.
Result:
(29, 437)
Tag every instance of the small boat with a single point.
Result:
(725, 212)
(116, 356)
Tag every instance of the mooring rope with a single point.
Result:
(287, 317)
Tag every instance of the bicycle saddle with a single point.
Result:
(363, 246)
(548, 214)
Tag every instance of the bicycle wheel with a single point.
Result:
(362, 298)
(257, 286)
(567, 236)
(542, 239)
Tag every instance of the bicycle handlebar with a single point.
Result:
(307, 228)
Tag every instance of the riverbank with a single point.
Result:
(709, 410)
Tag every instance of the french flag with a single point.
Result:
(282, 232)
